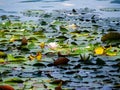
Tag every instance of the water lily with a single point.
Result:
(12, 39)
(99, 50)
(85, 57)
(73, 26)
(88, 47)
(52, 45)
(74, 49)
(31, 57)
(42, 45)
(39, 56)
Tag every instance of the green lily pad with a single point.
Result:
(13, 80)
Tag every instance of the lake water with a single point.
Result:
(100, 72)
(16, 6)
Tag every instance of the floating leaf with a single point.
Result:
(31, 45)
(111, 51)
(3, 54)
(62, 37)
(14, 80)
(62, 55)
(11, 58)
(2, 61)
(57, 22)
(61, 61)
(24, 41)
(33, 12)
(12, 39)
(59, 86)
(43, 23)
(39, 64)
(63, 29)
(57, 81)
(3, 17)
(111, 36)
(117, 86)
(6, 87)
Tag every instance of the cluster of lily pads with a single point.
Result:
(62, 50)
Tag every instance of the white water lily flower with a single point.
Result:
(87, 47)
(22, 30)
(52, 45)
(72, 26)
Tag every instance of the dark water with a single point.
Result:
(16, 6)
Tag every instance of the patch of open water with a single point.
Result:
(14, 7)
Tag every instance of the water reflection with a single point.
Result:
(116, 1)
(27, 1)
(43, 1)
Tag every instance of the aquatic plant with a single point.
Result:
(110, 36)
(61, 61)
(99, 50)
(52, 45)
(84, 57)
(6, 87)
(70, 39)
(42, 45)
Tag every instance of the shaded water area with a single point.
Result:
(60, 44)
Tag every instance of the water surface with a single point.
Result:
(16, 6)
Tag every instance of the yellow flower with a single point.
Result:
(12, 39)
(39, 56)
(2, 61)
(2, 54)
(99, 50)
(42, 45)
(31, 57)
